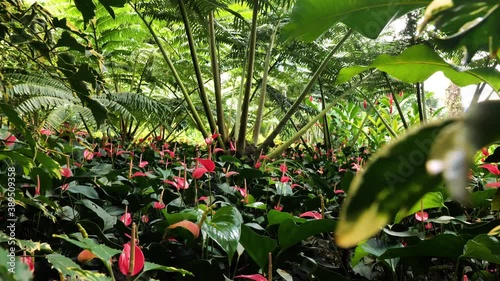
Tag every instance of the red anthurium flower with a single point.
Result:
(81, 133)
(283, 168)
(66, 172)
(28, 260)
(485, 151)
(179, 183)
(171, 153)
(143, 164)
(209, 140)
(45, 132)
(401, 93)
(339, 191)
(202, 198)
(421, 216)
(139, 174)
(428, 225)
(64, 187)
(242, 191)
(284, 179)
(230, 173)
(215, 135)
(199, 172)
(145, 219)
(255, 277)
(294, 185)
(207, 163)
(311, 214)
(88, 155)
(364, 104)
(124, 260)
(493, 184)
(257, 165)
(465, 278)
(492, 168)
(158, 205)
(126, 219)
(218, 149)
(231, 146)
(278, 207)
(11, 140)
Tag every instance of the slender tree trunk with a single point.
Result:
(263, 88)
(240, 142)
(276, 152)
(326, 130)
(197, 69)
(216, 77)
(192, 110)
(269, 140)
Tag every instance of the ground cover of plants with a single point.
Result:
(248, 140)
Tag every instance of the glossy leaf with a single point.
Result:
(444, 245)
(108, 220)
(311, 18)
(225, 229)
(289, 233)
(394, 179)
(482, 199)
(483, 247)
(430, 200)
(275, 217)
(149, 266)
(469, 24)
(67, 267)
(257, 246)
(428, 62)
(84, 190)
(103, 252)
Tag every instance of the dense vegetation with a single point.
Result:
(262, 140)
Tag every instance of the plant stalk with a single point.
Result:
(192, 108)
(306, 90)
(197, 69)
(394, 97)
(240, 142)
(263, 88)
(277, 152)
(216, 77)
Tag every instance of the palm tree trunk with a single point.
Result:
(240, 142)
(307, 89)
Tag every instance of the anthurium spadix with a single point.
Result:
(401, 173)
